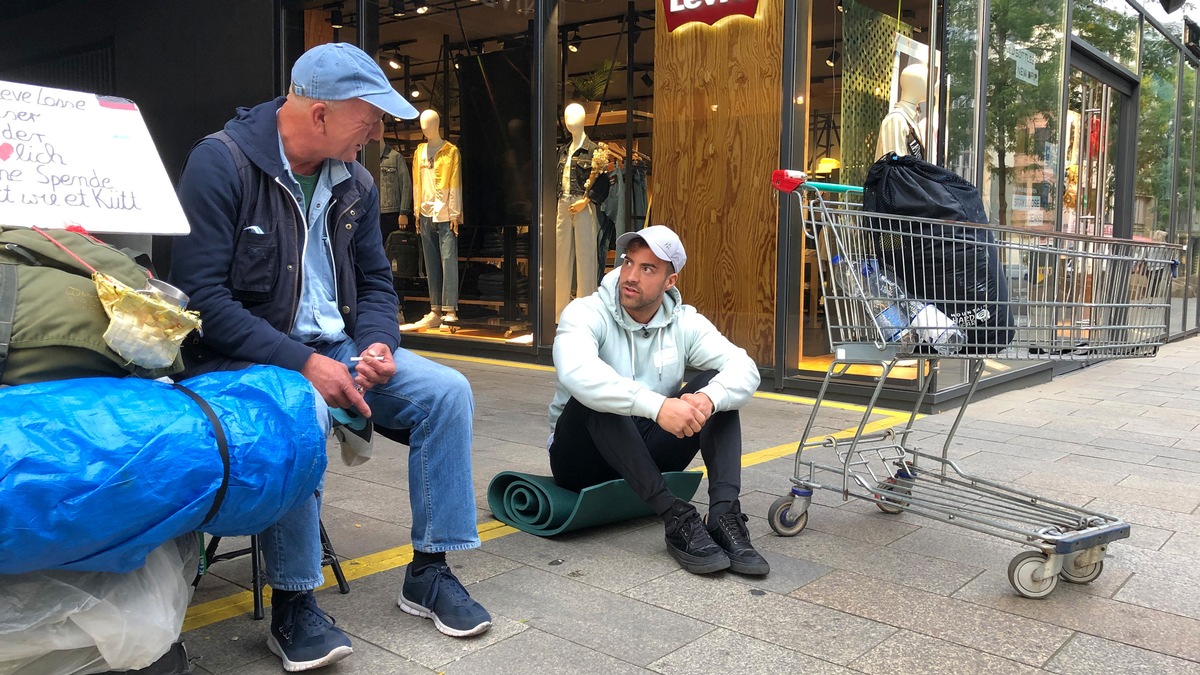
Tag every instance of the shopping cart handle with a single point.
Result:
(790, 180)
(787, 180)
(835, 187)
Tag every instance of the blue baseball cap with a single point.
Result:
(339, 71)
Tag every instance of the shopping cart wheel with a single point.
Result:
(1081, 575)
(892, 504)
(1021, 573)
(783, 521)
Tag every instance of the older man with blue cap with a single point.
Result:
(284, 262)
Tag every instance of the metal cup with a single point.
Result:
(167, 292)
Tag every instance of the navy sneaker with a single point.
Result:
(303, 636)
(435, 593)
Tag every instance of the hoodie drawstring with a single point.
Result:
(660, 356)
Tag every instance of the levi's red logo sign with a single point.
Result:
(679, 12)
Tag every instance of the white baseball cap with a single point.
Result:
(663, 242)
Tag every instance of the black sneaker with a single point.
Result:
(303, 636)
(689, 543)
(732, 535)
(435, 593)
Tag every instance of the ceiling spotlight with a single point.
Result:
(394, 62)
(398, 8)
(841, 7)
(575, 41)
(416, 91)
(422, 7)
(647, 80)
(335, 18)
(833, 58)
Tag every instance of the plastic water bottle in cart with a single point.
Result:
(902, 319)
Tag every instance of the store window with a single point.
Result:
(1183, 309)
(456, 185)
(1023, 95)
(1111, 26)
(1192, 205)
(1156, 136)
(871, 78)
(603, 171)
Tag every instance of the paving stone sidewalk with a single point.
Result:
(858, 591)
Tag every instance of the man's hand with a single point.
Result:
(454, 226)
(375, 367)
(579, 205)
(680, 418)
(332, 381)
(701, 402)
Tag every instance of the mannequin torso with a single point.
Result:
(902, 130)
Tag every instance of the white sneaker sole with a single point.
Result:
(296, 666)
(417, 610)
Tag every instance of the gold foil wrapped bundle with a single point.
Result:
(143, 327)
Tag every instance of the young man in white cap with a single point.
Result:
(285, 263)
(620, 410)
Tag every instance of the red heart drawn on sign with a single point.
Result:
(6, 151)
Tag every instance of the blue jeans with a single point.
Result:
(440, 247)
(436, 404)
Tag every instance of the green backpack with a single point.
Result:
(51, 321)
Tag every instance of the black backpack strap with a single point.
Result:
(8, 309)
(242, 163)
(222, 447)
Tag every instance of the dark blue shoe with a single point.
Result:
(435, 593)
(304, 637)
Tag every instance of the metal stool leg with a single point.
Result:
(256, 579)
(329, 557)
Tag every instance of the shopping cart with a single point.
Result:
(1071, 297)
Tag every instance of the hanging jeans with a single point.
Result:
(440, 246)
(575, 250)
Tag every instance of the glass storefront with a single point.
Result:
(1080, 122)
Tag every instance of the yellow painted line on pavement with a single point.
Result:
(485, 361)
(766, 395)
(237, 604)
(213, 611)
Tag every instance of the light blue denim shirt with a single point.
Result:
(317, 318)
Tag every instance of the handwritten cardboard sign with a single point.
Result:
(72, 158)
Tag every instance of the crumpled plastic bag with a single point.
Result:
(73, 623)
(142, 327)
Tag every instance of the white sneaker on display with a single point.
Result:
(450, 316)
(430, 320)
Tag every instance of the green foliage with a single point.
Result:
(1013, 104)
(590, 86)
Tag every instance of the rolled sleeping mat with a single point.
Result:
(537, 505)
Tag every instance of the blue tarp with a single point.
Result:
(95, 473)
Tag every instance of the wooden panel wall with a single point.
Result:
(717, 126)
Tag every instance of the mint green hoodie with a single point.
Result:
(611, 364)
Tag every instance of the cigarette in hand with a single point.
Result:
(368, 357)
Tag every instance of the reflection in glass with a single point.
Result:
(962, 56)
(1110, 26)
(1185, 222)
(1024, 94)
(1156, 136)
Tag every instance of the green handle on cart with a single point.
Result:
(834, 187)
